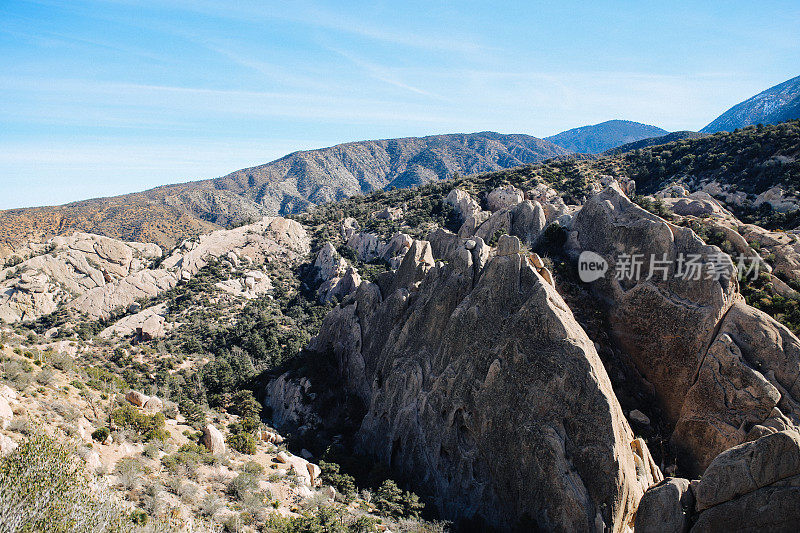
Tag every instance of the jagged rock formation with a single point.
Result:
(478, 383)
(752, 487)
(336, 276)
(723, 372)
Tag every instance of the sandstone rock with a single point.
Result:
(508, 245)
(349, 227)
(463, 203)
(665, 508)
(8, 393)
(93, 460)
(130, 324)
(152, 328)
(503, 197)
(282, 457)
(329, 264)
(136, 398)
(748, 378)
(315, 472)
(698, 207)
(213, 440)
(778, 200)
(329, 492)
(476, 419)
(390, 213)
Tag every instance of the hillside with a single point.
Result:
(166, 215)
(598, 138)
(776, 104)
(653, 141)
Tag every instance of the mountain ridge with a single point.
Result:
(597, 138)
(779, 103)
(167, 214)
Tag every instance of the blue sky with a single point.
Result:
(105, 97)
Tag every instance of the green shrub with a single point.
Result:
(101, 434)
(149, 427)
(343, 483)
(243, 443)
(392, 501)
(43, 488)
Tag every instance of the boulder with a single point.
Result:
(6, 414)
(639, 417)
(136, 398)
(749, 467)
(153, 405)
(463, 203)
(6, 445)
(665, 508)
(152, 328)
(747, 382)
(213, 440)
(751, 487)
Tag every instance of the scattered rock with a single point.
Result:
(214, 440)
(639, 417)
(136, 398)
(665, 508)
(153, 405)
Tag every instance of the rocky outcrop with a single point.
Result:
(479, 384)
(66, 267)
(666, 508)
(784, 247)
(747, 386)
(664, 323)
(723, 372)
(754, 486)
(334, 274)
(503, 197)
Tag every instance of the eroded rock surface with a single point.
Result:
(482, 387)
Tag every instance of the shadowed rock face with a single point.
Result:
(665, 325)
(479, 384)
(724, 372)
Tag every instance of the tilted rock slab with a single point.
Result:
(723, 372)
(480, 385)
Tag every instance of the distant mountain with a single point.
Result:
(653, 141)
(301, 179)
(598, 138)
(165, 215)
(776, 104)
